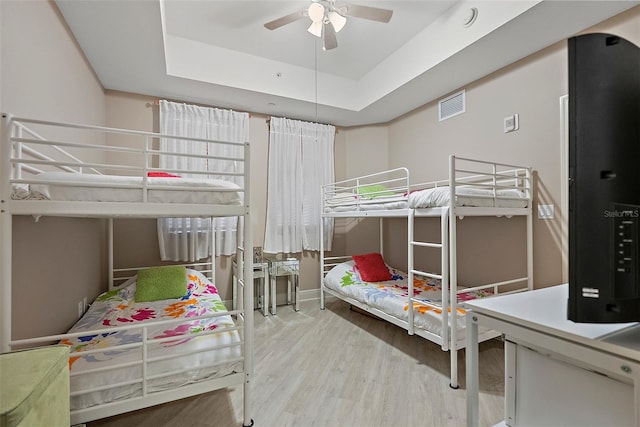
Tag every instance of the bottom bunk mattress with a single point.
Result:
(391, 296)
(107, 367)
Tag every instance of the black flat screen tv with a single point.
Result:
(604, 179)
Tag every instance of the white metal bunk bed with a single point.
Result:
(42, 177)
(473, 188)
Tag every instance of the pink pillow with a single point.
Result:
(161, 175)
(372, 267)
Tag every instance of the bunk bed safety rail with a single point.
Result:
(143, 345)
(494, 176)
(75, 150)
(21, 148)
(121, 275)
(330, 262)
(484, 180)
(356, 193)
(499, 287)
(28, 342)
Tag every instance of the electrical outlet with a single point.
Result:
(84, 305)
(80, 309)
(545, 211)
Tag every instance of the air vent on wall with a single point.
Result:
(451, 106)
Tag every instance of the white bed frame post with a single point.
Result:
(321, 240)
(110, 251)
(248, 289)
(381, 234)
(410, 268)
(5, 237)
(529, 186)
(453, 277)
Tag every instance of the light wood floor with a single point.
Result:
(337, 367)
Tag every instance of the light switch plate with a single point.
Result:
(511, 123)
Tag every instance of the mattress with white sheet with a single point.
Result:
(467, 196)
(65, 186)
(356, 203)
(188, 356)
(391, 297)
(429, 198)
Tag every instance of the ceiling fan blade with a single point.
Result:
(367, 12)
(329, 39)
(284, 20)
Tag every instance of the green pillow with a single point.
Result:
(159, 283)
(376, 190)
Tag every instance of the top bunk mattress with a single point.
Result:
(467, 196)
(429, 198)
(64, 186)
(478, 183)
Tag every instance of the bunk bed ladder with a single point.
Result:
(443, 277)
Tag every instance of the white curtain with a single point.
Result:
(189, 239)
(300, 161)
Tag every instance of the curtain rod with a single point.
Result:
(268, 120)
(337, 130)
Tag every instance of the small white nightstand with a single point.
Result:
(280, 266)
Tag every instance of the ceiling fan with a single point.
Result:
(327, 19)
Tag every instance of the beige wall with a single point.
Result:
(56, 261)
(44, 73)
(624, 25)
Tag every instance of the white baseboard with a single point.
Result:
(305, 295)
(310, 295)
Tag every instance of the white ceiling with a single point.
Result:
(219, 53)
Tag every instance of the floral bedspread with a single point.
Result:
(392, 296)
(118, 308)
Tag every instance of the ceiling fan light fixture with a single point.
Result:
(327, 19)
(337, 20)
(316, 29)
(316, 12)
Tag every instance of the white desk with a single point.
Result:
(557, 372)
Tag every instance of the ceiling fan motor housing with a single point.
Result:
(327, 20)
